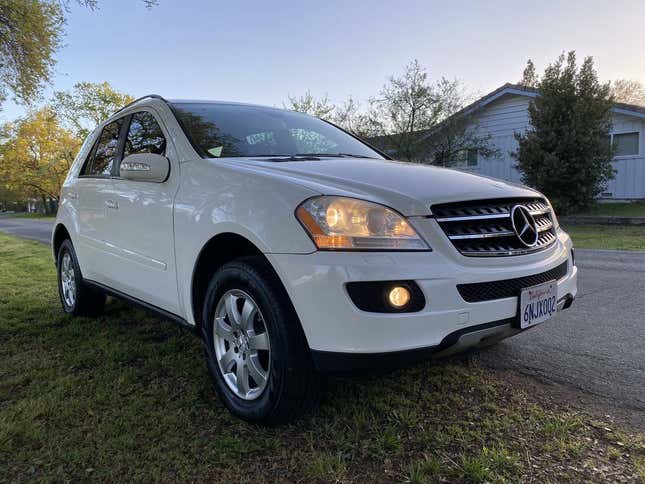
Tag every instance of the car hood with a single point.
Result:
(409, 188)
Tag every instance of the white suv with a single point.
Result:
(291, 247)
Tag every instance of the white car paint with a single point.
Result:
(143, 239)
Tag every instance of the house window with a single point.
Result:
(626, 144)
(471, 158)
(466, 158)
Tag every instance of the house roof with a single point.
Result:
(518, 90)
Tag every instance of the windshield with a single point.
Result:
(232, 130)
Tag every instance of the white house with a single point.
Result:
(504, 112)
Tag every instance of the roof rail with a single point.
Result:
(153, 96)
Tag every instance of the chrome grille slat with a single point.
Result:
(483, 228)
(501, 215)
(481, 236)
(474, 217)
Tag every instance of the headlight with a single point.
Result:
(349, 224)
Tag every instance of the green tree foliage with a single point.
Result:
(31, 31)
(420, 121)
(529, 76)
(37, 150)
(30, 34)
(36, 155)
(82, 108)
(566, 153)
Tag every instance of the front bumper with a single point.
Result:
(478, 336)
(333, 324)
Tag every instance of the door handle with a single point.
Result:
(111, 204)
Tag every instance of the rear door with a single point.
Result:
(140, 225)
(90, 195)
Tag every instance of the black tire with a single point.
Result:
(291, 387)
(87, 301)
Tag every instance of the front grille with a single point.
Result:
(483, 228)
(488, 291)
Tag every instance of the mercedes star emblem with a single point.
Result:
(524, 225)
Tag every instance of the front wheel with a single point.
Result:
(255, 348)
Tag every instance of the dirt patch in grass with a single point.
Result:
(127, 397)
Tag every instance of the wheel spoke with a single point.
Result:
(255, 370)
(228, 359)
(232, 312)
(223, 330)
(242, 377)
(248, 313)
(259, 341)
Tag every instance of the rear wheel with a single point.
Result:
(255, 348)
(76, 296)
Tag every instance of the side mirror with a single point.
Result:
(147, 167)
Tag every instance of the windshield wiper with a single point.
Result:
(335, 155)
(289, 157)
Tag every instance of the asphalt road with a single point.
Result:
(598, 345)
(34, 229)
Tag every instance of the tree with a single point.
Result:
(347, 115)
(628, 91)
(30, 34)
(565, 154)
(414, 117)
(86, 105)
(37, 155)
(31, 31)
(411, 118)
(529, 76)
(351, 117)
(307, 103)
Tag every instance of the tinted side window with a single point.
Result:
(144, 136)
(106, 151)
(88, 160)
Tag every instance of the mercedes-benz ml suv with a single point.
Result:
(291, 247)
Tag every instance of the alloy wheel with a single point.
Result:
(242, 346)
(68, 280)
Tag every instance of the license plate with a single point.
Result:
(538, 303)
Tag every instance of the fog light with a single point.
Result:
(386, 296)
(399, 296)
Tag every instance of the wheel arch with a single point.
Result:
(217, 251)
(60, 234)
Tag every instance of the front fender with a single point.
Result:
(218, 197)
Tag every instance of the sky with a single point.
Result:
(264, 51)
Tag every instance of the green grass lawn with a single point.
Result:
(624, 237)
(127, 397)
(618, 209)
